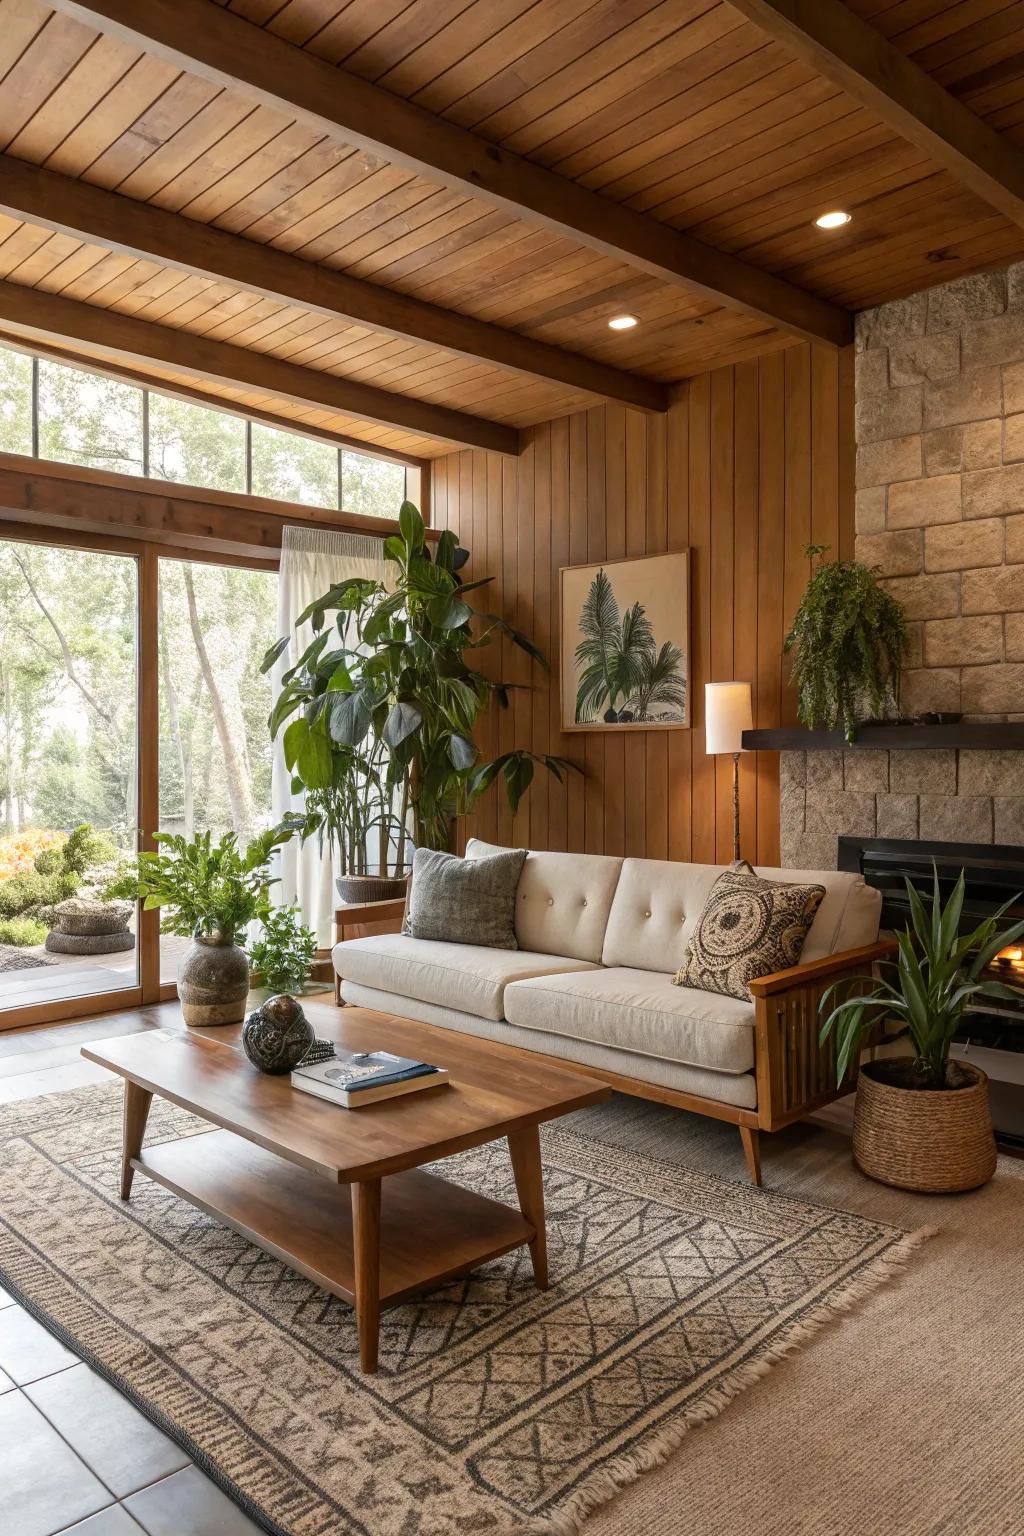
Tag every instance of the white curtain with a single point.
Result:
(311, 560)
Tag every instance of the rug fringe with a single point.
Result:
(656, 1450)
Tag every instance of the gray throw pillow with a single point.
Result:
(465, 901)
(749, 927)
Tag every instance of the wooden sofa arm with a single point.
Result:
(376, 912)
(826, 969)
(795, 1073)
(368, 912)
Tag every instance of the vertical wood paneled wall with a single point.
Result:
(750, 465)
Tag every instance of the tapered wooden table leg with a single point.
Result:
(136, 1112)
(524, 1147)
(366, 1252)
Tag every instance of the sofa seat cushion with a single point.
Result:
(638, 1011)
(469, 977)
(737, 1088)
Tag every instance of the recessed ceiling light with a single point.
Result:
(622, 322)
(834, 220)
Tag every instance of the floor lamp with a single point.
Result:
(727, 714)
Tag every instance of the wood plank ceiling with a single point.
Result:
(680, 110)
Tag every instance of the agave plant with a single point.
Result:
(623, 668)
(939, 971)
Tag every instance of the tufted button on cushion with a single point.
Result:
(675, 895)
(564, 900)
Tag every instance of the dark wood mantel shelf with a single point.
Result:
(975, 735)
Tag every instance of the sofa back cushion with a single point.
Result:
(562, 902)
(657, 904)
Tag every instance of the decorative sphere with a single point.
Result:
(277, 1035)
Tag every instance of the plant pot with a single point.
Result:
(360, 888)
(936, 1141)
(213, 979)
(89, 918)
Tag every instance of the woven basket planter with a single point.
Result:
(934, 1141)
(360, 888)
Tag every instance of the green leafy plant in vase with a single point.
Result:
(380, 708)
(211, 892)
(921, 1120)
(281, 955)
(850, 639)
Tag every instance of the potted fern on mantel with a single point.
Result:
(850, 639)
(922, 1121)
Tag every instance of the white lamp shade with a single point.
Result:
(727, 714)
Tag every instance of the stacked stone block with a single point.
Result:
(940, 486)
(949, 797)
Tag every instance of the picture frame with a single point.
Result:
(624, 627)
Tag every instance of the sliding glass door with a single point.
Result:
(69, 780)
(216, 623)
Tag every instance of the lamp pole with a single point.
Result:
(727, 714)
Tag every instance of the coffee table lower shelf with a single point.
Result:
(429, 1230)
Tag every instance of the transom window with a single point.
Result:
(51, 410)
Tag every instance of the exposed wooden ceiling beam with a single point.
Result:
(211, 42)
(843, 48)
(99, 217)
(52, 317)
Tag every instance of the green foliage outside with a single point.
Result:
(938, 972)
(67, 618)
(386, 695)
(57, 874)
(283, 952)
(624, 669)
(850, 638)
(22, 932)
(198, 883)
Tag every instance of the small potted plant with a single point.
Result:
(209, 892)
(922, 1121)
(281, 955)
(850, 638)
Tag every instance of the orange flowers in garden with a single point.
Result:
(18, 850)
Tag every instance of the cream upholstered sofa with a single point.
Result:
(591, 983)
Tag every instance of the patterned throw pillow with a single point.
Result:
(465, 901)
(749, 927)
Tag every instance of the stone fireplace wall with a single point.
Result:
(950, 797)
(940, 485)
(940, 512)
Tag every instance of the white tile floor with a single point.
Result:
(78, 1457)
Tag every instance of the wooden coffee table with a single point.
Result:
(276, 1167)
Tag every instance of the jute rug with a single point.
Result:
(497, 1411)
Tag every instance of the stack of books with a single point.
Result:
(356, 1078)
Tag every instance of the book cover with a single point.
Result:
(354, 1071)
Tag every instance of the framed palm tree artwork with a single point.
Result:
(625, 650)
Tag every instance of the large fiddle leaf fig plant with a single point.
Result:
(379, 710)
(850, 638)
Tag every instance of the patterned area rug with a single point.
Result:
(497, 1411)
